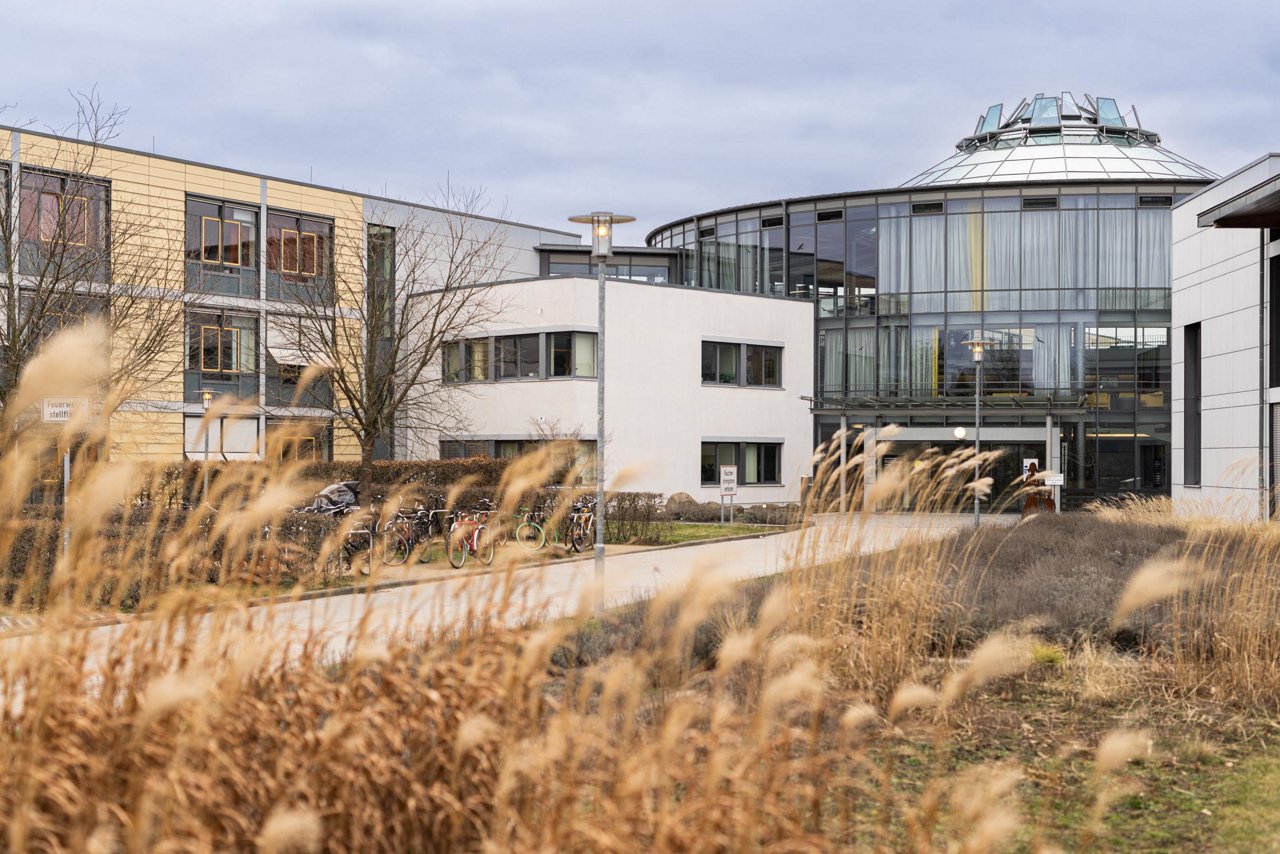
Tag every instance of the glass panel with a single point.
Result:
(708, 467)
(991, 121)
(231, 243)
(210, 229)
(862, 259)
(560, 351)
(964, 252)
(1044, 113)
(709, 372)
(800, 276)
(1116, 250)
(528, 355)
(453, 363)
(773, 251)
(508, 365)
(894, 259)
(927, 234)
(751, 463)
(1039, 250)
(584, 354)
(478, 360)
(749, 273)
(1001, 250)
(1109, 113)
(862, 360)
(1155, 240)
(830, 361)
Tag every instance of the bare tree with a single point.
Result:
(76, 247)
(381, 337)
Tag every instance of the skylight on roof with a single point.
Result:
(1044, 113)
(991, 121)
(1069, 108)
(1109, 113)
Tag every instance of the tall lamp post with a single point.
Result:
(977, 345)
(206, 398)
(602, 223)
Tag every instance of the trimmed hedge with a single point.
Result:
(176, 483)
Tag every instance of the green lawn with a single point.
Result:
(687, 532)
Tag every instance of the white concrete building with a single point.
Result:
(1226, 376)
(694, 378)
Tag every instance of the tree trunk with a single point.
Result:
(365, 475)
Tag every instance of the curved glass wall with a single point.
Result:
(1071, 282)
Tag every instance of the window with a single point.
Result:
(467, 361)
(1273, 320)
(741, 364)
(221, 234)
(382, 279)
(759, 463)
(1191, 415)
(764, 365)
(571, 354)
(222, 345)
(62, 215)
(299, 252)
(720, 363)
(517, 357)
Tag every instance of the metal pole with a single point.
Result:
(977, 445)
(600, 506)
(844, 459)
(204, 496)
(66, 487)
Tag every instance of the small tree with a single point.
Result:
(75, 247)
(424, 284)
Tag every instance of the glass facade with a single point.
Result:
(1071, 281)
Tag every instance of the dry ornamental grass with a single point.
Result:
(771, 716)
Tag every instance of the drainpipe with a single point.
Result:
(1264, 509)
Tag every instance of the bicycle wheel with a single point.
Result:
(395, 548)
(531, 536)
(578, 537)
(486, 546)
(458, 547)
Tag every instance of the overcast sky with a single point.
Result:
(658, 109)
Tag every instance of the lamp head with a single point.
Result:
(206, 398)
(959, 432)
(602, 223)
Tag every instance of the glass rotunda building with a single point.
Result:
(1046, 232)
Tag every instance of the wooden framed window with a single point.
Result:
(219, 350)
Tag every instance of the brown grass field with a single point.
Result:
(1105, 680)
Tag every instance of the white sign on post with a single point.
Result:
(728, 481)
(60, 410)
(1055, 479)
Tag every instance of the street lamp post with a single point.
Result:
(602, 223)
(206, 397)
(977, 345)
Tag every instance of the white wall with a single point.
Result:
(1216, 282)
(658, 410)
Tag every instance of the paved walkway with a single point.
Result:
(533, 593)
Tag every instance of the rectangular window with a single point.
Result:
(467, 361)
(720, 363)
(381, 297)
(299, 248)
(61, 212)
(759, 463)
(220, 234)
(571, 354)
(517, 357)
(764, 365)
(1191, 411)
(222, 345)
(1273, 321)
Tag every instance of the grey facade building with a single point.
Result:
(1048, 231)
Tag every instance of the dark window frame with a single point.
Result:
(742, 361)
(774, 449)
(1192, 414)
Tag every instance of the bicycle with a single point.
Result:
(531, 532)
(582, 524)
(469, 535)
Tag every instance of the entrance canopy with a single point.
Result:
(1258, 207)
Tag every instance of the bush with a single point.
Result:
(634, 517)
(176, 483)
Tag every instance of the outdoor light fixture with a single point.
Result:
(602, 223)
(977, 345)
(206, 398)
(959, 432)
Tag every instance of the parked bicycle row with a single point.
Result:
(375, 537)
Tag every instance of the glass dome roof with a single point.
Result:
(1060, 139)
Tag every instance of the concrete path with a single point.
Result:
(527, 593)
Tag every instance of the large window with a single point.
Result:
(517, 357)
(381, 241)
(467, 361)
(299, 257)
(759, 463)
(222, 247)
(726, 363)
(63, 225)
(571, 354)
(225, 344)
(1191, 413)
